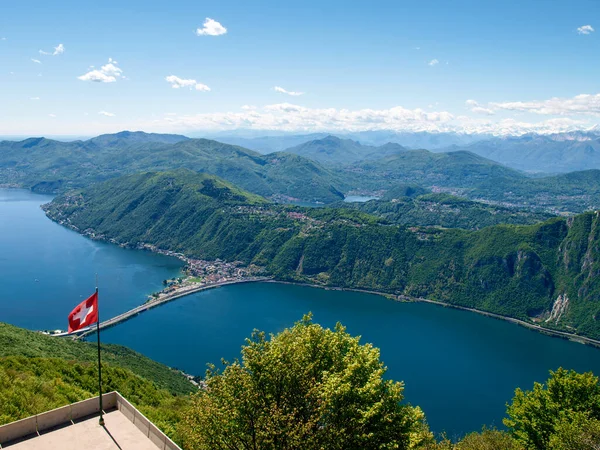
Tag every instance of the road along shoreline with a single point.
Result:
(400, 298)
(405, 298)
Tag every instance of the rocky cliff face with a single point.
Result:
(559, 308)
(578, 275)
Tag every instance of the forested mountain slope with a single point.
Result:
(20, 342)
(39, 373)
(446, 211)
(458, 169)
(46, 165)
(545, 272)
(469, 175)
(333, 150)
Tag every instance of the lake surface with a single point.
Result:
(46, 269)
(359, 198)
(460, 367)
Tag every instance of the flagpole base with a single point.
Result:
(101, 421)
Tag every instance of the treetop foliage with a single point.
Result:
(307, 387)
(556, 412)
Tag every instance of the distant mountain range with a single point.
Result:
(321, 170)
(278, 142)
(45, 165)
(552, 153)
(469, 175)
(565, 152)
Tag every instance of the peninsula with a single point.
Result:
(541, 274)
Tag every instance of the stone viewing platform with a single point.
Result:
(75, 427)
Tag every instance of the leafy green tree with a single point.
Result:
(535, 416)
(579, 432)
(488, 439)
(306, 387)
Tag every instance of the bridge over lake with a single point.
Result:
(154, 303)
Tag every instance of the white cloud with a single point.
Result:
(51, 115)
(475, 107)
(37, 61)
(585, 29)
(583, 104)
(290, 117)
(177, 83)
(482, 110)
(2, 39)
(108, 73)
(58, 50)
(433, 62)
(97, 76)
(283, 91)
(211, 28)
(580, 104)
(105, 113)
(34, 98)
(248, 107)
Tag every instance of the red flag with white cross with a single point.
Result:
(84, 314)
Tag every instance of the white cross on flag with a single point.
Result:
(85, 314)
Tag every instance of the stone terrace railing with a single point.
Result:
(65, 415)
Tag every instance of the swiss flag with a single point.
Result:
(86, 313)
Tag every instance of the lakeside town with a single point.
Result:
(200, 273)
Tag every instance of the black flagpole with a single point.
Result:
(99, 362)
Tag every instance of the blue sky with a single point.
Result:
(503, 67)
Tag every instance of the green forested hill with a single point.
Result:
(30, 386)
(333, 150)
(135, 137)
(571, 192)
(46, 165)
(457, 169)
(19, 342)
(446, 211)
(40, 372)
(469, 175)
(544, 272)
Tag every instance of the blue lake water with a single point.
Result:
(359, 198)
(460, 367)
(46, 269)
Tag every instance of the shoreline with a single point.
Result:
(406, 299)
(401, 298)
(397, 298)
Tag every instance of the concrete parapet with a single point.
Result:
(18, 429)
(159, 439)
(65, 415)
